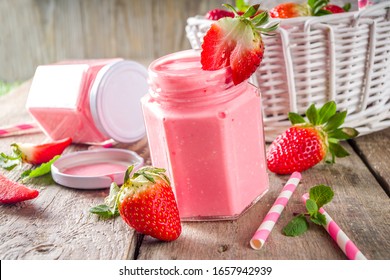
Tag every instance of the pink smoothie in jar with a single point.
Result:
(89, 100)
(209, 136)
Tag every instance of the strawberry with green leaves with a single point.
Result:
(236, 42)
(145, 202)
(241, 7)
(13, 192)
(311, 8)
(307, 143)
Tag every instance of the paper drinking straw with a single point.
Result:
(273, 214)
(342, 240)
(24, 128)
(106, 144)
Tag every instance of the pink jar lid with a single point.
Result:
(115, 100)
(94, 169)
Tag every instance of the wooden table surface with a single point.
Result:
(58, 225)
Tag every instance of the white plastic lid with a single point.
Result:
(115, 100)
(97, 177)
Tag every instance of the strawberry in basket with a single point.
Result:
(236, 42)
(241, 7)
(311, 8)
(307, 143)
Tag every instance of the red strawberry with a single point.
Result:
(236, 42)
(12, 192)
(217, 14)
(37, 154)
(289, 10)
(334, 9)
(305, 144)
(147, 203)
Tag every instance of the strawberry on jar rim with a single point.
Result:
(305, 144)
(146, 202)
(236, 42)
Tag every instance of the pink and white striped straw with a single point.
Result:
(106, 144)
(346, 245)
(19, 129)
(274, 213)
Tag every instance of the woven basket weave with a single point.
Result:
(341, 57)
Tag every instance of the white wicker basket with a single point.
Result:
(342, 57)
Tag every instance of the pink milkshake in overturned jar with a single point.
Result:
(208, 134)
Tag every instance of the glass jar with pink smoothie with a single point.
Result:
(208, 134)
(90, 101)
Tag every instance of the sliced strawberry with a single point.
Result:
(147, 203)
(37, 154)
(236, 42)
(13, 192)
(306, 144)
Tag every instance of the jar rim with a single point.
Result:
(191, 54)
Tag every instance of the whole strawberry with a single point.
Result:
(307, 143)
(290, 10)
(311, 8)
(217, 14)
(236, 42)
(146, 202)
(334, 9)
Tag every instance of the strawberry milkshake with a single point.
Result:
(208, 134)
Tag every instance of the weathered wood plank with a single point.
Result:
(41, 32)
(32, 230)
(360, 207)
(376, 158)
(57, 224)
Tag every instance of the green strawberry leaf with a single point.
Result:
(43, 169)
(251, 11)
(241, 5)
(338, 150)
(128, 173)
(103, 211)
(9, 162)
(231, 8)
(296, 226)
(335, 121)
(321, 195)
(295, 118)
(110, 207)
(318, 219)
(317, 5)
(347, 7)
(311, 207)
(312, 114)
(344, 133)
(261, 19)
(326, 111)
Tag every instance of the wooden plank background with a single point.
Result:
(34, 32)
